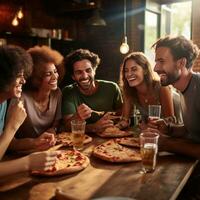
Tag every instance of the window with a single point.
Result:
(151, 31)
(176, 19)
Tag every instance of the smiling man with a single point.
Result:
(87, 93)
(174, 60)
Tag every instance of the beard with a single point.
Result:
(170, 78)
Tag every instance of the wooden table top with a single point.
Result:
(103, 179)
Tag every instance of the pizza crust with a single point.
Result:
(71, 164)
(114, 132)
(113, 152)
(65, 138)
(129, 141)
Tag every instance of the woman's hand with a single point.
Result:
(42, 160)
(16, 115)
(44, 141)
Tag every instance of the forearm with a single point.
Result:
(22, 144)
(177, 131)
(14, 166)
(180, 146)
(5, 140)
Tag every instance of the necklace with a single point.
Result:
(42, 106)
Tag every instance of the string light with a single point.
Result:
(15, 22)
(20, 14)
(124, 48)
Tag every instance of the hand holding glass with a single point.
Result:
(78, 133)
(149, 149)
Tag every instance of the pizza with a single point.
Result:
(68, 161)
(65, 138)
(114, 132)
(129, 141)
(114, 152)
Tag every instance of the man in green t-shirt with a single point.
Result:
(87, 95)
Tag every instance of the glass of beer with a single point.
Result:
(154, 111)
(148, 149)
(78, 133)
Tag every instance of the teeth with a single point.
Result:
(53, 83)
(131, 79)
(85, 81)
(161, 75)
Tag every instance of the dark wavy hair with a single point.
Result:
(13, 60)
(42, 55)
(149, 78)
(78, 55)
(180, 47)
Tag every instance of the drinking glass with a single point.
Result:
(148, 149)
(78, 133)
(154, 111)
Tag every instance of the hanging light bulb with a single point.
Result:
(124, 48)
(20, 14)
(15, 22)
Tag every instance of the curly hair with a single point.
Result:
(180, 47)
(149, 78)
(78, 55)
(42, 55)
(13, 60)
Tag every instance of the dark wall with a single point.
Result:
(103, 40)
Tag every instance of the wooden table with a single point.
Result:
(102, 179)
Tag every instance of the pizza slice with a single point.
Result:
(65, 138)
(114, 152)
(69, 161)
(129, 141)
(114, 132)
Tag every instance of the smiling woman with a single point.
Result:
(42, 101)
(140, 88)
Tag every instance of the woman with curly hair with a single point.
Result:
(42, 101)
(15, 66)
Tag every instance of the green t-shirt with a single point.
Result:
(106, 98)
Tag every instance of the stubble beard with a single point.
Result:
(171, 79)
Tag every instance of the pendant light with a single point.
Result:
(124, 48)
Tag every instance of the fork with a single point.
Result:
(99, 113)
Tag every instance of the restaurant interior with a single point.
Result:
(99, 25)
(112, 29)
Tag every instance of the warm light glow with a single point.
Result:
(124, 48)
(20, 14)
(15, 22)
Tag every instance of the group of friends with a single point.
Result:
(37, 107)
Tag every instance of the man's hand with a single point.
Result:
(159, 124)
(103, 123)
(84, 112)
